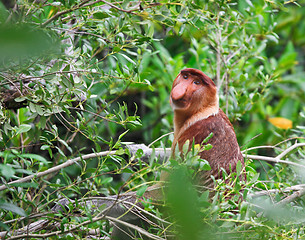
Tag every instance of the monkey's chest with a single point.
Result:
(225, 152)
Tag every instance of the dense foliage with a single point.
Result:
(80, 77)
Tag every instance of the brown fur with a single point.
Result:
(202, 116)
(196, 114)
(225, 152)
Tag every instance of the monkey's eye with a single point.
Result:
(197, 82)
(185, 76)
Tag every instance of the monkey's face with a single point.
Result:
(191, 92)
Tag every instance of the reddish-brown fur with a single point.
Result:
(196, 114)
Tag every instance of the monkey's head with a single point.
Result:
(193, 91)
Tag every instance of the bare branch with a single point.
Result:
(272, 159)
(133, 148)
(57, 15)
(161, 153)
(218, 53)
(260, 147)
(290, 149)
(123, 206)
(120, 9)
(140, 230)
(277, 159)
(57, 168)
(298, 187)
(291, 198)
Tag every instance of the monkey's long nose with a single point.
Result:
(178, 92)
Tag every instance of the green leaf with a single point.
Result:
(204, 165)
(34, 156)
(42, 122)
(185, 147)
(127, 170)
(141, 191)
(107, 180)
(128, 59)
(39, 109)
(2, 225)
(208, 138)
(44, 147)
(20, 99)
(13, 208)
(207, 147)
(101, 15)
(60, 151)
(23, 128)
(7, 171)
(238, 168)
(26, 185)
(121, 151)
(32, 107)
(65, 144)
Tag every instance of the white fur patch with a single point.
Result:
(212, 111)
(200, 116)
(174, 106)
(207, 112)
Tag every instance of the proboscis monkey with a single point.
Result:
(194, 99)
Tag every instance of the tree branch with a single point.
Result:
(133, 148)
(290, 198)
(57, 15)
(298, 187)
(272, 159)
(161, 153)
(57, 168)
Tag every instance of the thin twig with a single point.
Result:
(127, 203)
(57, 168)
(218, 53)
(272, 159)
(260, 147)
(149, 145)
(226, 74)
(289, 139)
(42, 224)
(298, 187)
(167, 150)
(231, 55)
(120, 9)
(250, 141)
(57, 15)
(291, 198)
(140, 230)
(60, 232)
(290, 149)
(277, 159)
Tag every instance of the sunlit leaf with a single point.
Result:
(23, 128)
(280, 122)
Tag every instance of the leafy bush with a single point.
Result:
(81, 77)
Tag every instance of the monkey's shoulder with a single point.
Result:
(217, 124)
(225, 149)
(224, 140)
